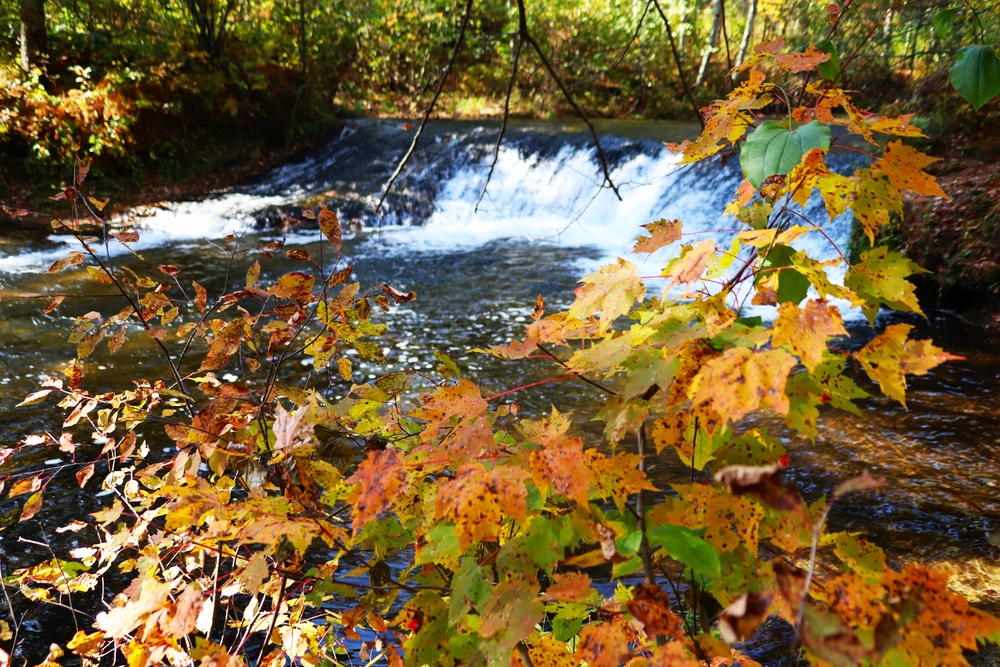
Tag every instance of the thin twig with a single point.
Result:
(274, 619)
(526, 36)
(430, 108)
(503, 125)
(522, 650)
(575, 373)
(680, 67)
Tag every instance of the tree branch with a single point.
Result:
(506, 115)
(430, 108)
(526, 36)
(680, 67)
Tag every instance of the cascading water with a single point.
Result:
(546, 188)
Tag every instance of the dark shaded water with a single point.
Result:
(543, 224)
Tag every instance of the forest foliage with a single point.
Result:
(418, 522)
(142, 84)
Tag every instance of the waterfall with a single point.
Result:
(546, 187)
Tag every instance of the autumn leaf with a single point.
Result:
(904, 165)
(330, 226)
(742, 380)
(874, 199)
(726, 121)
(32, 505)
(477, 500)
(689, 267)
(650, 605)
(570, 587)
(880, 279)
(448, 406)
(804, 331)
(296, 286)
(661, 233)
(802, 61)
(602, 645)
(891, 356)
(611, 291)
(380, 480)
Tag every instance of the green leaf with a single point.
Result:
(944, 21)
(831, 68)
(880, 279)
(773, 149)
(629, 543)
(792, 285)
(976, 74)
(565, 628)
(686, 546)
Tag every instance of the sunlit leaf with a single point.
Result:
(772, 149)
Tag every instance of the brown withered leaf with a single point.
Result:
(53, 304)
(341, 277)
(826, 636)
(651, 606)
(299, 255)
(200, 297)
(397, 296)
(863, 482)
(84, 474)
(739, 620)
(169, 269)
(74, 258)
(791, 582)
(606, 536)
(126, 236)
(539, 310)
(762, 482)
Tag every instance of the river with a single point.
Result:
(477, 263)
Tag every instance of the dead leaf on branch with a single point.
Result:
(740, 619)
(762, 482)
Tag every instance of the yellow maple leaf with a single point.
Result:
(804, 332)
(689, 267)
(890, 357)
(478, 500)
(904, 166)
(742, 380)
(611, 291)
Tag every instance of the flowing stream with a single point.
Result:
(477, 262)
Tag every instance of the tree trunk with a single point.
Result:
(682, 29)
(747, 32)
(713, 37)
(34, 39)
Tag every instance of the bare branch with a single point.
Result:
(503, 125)
(526, 36)
(680, 67)
(430, 108)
